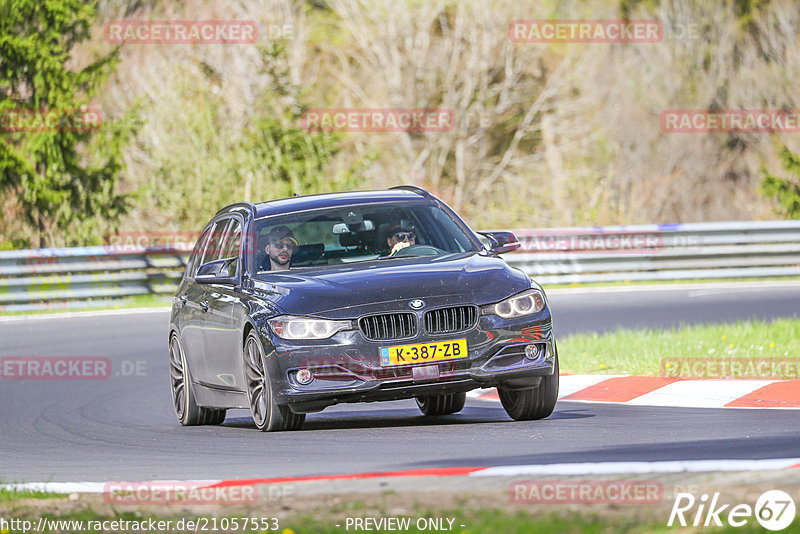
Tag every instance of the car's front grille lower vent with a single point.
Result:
(388, 326)
(450, 320)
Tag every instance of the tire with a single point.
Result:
(183, 400)
(214, 416)
(267, 414)
(532, 404)
(442, 404)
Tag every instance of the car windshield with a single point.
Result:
(351, 234)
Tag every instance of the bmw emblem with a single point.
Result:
(417, 304)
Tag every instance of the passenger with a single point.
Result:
(400, 238)
(280, 246)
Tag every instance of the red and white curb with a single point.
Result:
(676, 392)
(563, 469)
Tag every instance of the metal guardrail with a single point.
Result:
(660, 252)
(91, 276)
(86, 276)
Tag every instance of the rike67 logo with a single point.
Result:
(774, 510)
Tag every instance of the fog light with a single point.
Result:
(531, 352)
(304, 376)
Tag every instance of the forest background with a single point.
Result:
(545, 134)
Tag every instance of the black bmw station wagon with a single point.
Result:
(293, 305)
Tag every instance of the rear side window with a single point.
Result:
(222, 240)
(231, 245)
(213, 247)
(233, 240)
(194, 263)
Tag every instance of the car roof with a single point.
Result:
(332, 200)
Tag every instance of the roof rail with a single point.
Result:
(413, 188)
(249, 205)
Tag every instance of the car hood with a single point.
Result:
(355, 289)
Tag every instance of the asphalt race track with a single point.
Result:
(123, 428)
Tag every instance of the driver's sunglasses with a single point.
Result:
(402, 236)
(281, 245)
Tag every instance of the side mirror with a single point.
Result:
(216, 272)
(502, 242)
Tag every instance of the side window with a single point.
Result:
(231, 245)
(213, 247)
(194, 263)
(233, 240)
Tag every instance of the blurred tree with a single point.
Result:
(281, 155)
(291, 160)
(219, 148)
(63, 175)
(785, 190)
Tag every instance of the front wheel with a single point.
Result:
(442, 404)
(267, 414)
(531, 404)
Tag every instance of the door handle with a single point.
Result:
(183, 299)
(204, 305)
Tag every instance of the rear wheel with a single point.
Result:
(267, 414)
(530, 404)
(442, 404)
(183, 400)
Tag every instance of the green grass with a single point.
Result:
(138, 301)
(625, 283)
(640, 352)
(11, 495)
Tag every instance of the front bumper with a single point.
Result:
(347, 367)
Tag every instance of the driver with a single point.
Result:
(280, 246)
(400, 238)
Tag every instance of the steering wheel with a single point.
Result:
(419, 250)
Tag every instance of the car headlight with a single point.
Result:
(525, 303)
(291, 327)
